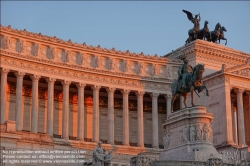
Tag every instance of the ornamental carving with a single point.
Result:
(243, 72)
(65, 56)
(166, 139)
(50, 53)
(80, 60)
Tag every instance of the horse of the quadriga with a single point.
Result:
(221, 37)
(203, 31)
(193, 33)
(194, 82)
(214, 35)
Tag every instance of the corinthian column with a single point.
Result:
(168, 99)
(125, 140)
(140, 125)
(110, 115)
(80, 87)
(4, 73)
(19, 112)
(96, 126)
(241, 125)
(155, 139)
(50, 112)
(34, 120)
(65, 125)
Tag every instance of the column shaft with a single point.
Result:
(65, 124)
(125, 116)
(50, 108)
(140, 125)
(34, 117)
(168, 99)
(155, 120)
(4, 73)
(19, 111)
(111, 118)
(80, 87)
(96, 126)
(241, 125)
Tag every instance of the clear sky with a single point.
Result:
(152, 27)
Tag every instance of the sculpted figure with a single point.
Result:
(36, 49)
(155, 70)
(205, 132)
(80, 59)
(140, 68)
(166, 139)
(185, 134)
(108, 158)
(169, 71)
(126, 66)
(183, 71)
(210, 133)
(190, 80)
(96, 62)
(193, 33)
(111, 64)
(198, 132)
(22, 47)
(192, 133)
(5, 43)
(98, 155)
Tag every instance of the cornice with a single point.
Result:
(74, 45)
(82, 68)
(210, 49)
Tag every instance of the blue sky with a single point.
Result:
(152, 27)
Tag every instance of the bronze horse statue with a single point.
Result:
(213, 36)
(194, 82)
(203, 31)
(221, 37)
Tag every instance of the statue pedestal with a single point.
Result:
(189, 136)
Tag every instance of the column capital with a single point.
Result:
(50, 80)
(154, 95)
(239, 91)
(168, 96)
(139, 93)
(5, 71)
(96, 87)
(110, 89)
(80, 85)
(125, 91)
(35, 77)
(65, 82)
(19, 74)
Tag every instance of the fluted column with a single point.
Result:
(168, 98)
(125, 116)
(140, 125)
(19, 112)
(50, 108)
(235, 124)
(96, 126)
(80, 87)
(241, 125)
(110, 115)
(34, 117)
(65, 122)
(4, 73)
(155, 133)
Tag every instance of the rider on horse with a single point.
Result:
(183, 71)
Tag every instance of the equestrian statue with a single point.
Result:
(189, 80)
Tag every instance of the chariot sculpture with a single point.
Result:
(204, 34)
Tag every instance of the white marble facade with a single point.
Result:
(124, 97)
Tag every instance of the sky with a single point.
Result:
(151, 27)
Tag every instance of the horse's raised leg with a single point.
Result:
(185, 95)
(192, 96)
(172, 102)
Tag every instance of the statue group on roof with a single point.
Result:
(204, 34)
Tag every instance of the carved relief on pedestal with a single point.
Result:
(185, 134)
(167, 139)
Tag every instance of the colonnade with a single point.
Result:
(65, 124)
